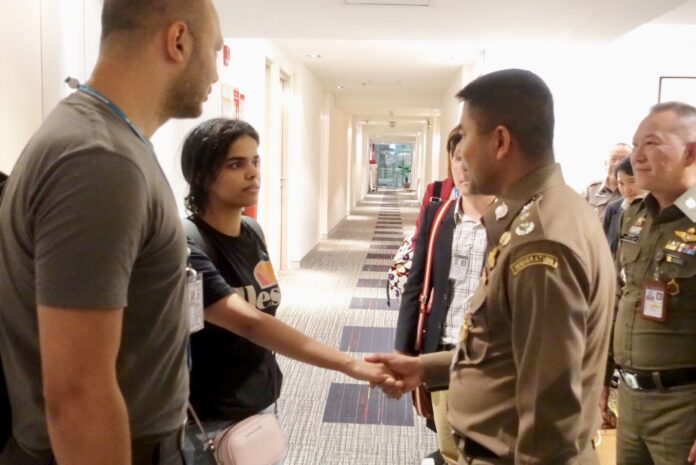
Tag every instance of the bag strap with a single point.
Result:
(193, 231)
(424, 307)
(209, 443)
(254, 226)
(437, 190)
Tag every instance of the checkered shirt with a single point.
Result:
(468, 240)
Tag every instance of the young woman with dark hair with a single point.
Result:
(234, 374)
(626, 183)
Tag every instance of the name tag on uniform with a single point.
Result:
(194, 289)
(459, 267)
(655, 298)
(634, 231)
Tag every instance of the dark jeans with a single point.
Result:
(160, 451)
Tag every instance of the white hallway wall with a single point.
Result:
(42, 42)
(602, 92)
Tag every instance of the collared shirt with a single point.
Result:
(658, 244)
(599, 196)
(468, 250)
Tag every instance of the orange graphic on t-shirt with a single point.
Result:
(264, 274)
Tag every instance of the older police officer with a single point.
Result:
(655, 329)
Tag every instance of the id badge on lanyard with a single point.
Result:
(655, 300)
(194, 287)
(459, 267)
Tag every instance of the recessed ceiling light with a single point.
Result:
(313, 56)
(339, 87)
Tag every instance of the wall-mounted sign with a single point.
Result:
(226, 55)
(232, 102)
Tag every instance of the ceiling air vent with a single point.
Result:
(390, 2)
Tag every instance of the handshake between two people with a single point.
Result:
(396, 374)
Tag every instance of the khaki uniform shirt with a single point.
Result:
(599, 196)
(662, 245)
(526, 377)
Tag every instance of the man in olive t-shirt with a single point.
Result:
(93, 321)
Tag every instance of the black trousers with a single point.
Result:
(153, 451)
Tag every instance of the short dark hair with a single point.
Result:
(203, 154)
(517, 99)
(624, 166)
(3, 180)
(455, 136)
(145, 16)
(686, 114)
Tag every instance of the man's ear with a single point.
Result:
(502, 141)
(690, 158)
(179, 42)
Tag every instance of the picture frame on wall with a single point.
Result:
(677, 88)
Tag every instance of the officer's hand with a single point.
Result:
(692, 454)
(409, 369)
(377, 374)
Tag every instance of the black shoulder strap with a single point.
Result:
(193, 232)
(254, 226)
(437, 189)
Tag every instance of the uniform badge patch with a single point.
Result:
(501, 211)
(524, 228)
(534, 259)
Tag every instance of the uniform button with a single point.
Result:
(659, 255)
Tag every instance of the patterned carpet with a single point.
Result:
(339, 298)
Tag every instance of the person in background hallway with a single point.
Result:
(626, 184)
(220, 162)
(655, 331)
(457, 262)
(527, 371)
(94, 255)
(600, 193)
(446, 187)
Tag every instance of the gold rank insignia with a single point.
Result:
(492, 258)
(691, 230)
(467, 324)
(673, 287)
(505, 239)
(685, 236)
(534, 259)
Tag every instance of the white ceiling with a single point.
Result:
(400, 58)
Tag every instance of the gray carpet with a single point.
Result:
(338, 297)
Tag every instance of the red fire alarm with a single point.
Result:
(226, 55)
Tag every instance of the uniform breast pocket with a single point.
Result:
(628, 256)
(629, 252)
(475, 333)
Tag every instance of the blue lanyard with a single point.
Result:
(112, 106)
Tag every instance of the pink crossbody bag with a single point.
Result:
(257, 440)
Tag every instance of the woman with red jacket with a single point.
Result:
(446, 185)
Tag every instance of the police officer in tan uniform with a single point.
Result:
(599, 194)
(655, 329)
(525, 378)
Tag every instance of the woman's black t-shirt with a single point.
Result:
(231, 377)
